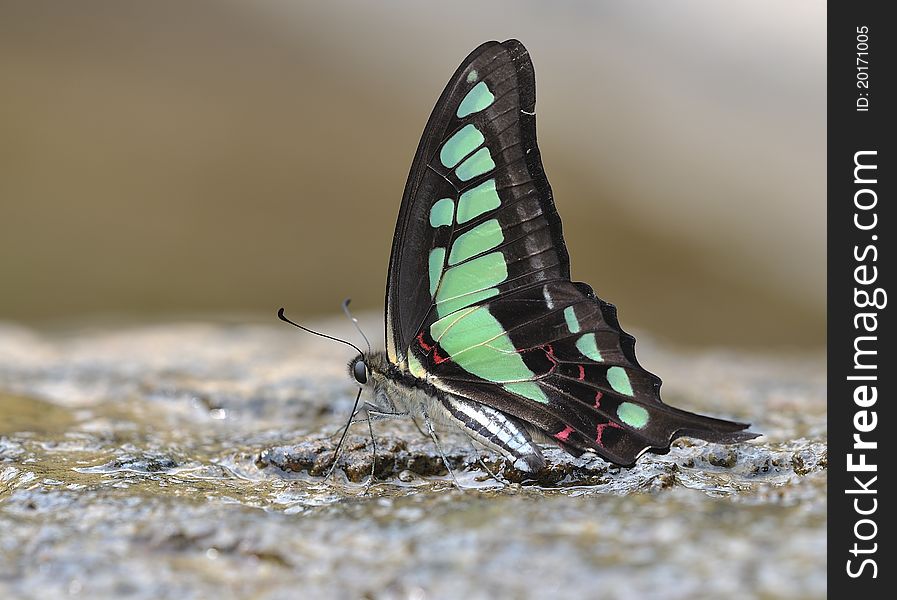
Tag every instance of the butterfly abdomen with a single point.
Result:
(496, 430)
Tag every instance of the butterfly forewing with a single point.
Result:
(477, 216)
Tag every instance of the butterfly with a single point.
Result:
(484, 328)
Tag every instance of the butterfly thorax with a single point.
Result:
(390, 388)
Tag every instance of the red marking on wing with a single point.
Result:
(439, 359)
(420, 340)
(563, 435)
(582, 373)
(600, 432)
(549, 353)
(597, 398)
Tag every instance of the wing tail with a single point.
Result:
(711, 429)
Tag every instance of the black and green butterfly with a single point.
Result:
(484, 328)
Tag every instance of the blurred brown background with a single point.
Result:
(161, 159)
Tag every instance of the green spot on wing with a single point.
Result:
(619, 380)
(589, 347)
(462, 143)
(436, 259)
(477, 201)
(442, 212)
(472, 76)
(478, 98)
(573, 323)
(481, 238)
(633, 415)
(527, 389)
(469, 282)
(479, 344)
(481, 162)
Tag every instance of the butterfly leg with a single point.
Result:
(476, 452)
(342, 439)
(417, 426)
(339, 430)
(432, 433)
(376, 414)
(368, 420)
(373, 459)
(380, 415)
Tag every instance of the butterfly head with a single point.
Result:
(376, 376)
(370, 369)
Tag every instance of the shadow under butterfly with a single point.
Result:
(484, 328)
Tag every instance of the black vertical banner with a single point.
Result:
(861, 329)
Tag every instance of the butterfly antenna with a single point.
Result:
(283, 318)
(355, 322)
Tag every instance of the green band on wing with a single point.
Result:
(477, 201)
(447, 307)
(619, 380)
(478, 98)
(479, 344)
(440, 327)
(466, 140)
(527, 389)
(481, 238)
(462, 283)
(442, 213)
(572, 321)
(481, 162)
(633, 415)
(436, 260)
(415, 367)
(589, 347)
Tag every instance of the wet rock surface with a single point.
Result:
(188, 460)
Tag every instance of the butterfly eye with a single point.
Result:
(360, 371)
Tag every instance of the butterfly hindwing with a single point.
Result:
(553, 355)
